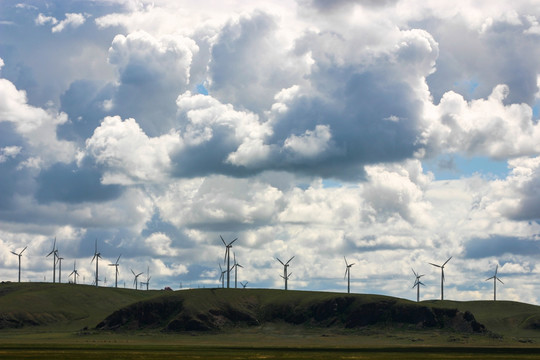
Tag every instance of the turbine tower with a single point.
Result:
(236, 265)
(228, 258)
(136, 277)
(348, 275)
(97, 256)
(54, 253)
(19, 255)
(148, 277)
(417, 284)
(285, 275)
(495, 278)
(60, 269)
(75, 273)
(222, 276)
(116, 264)
(442, 275)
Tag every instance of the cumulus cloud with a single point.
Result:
(485, 127)
(299, 127)
(73, 20)
(128, 155)
(36, 125)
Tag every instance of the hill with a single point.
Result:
(217, 309)
(65, 307)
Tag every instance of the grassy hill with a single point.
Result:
(284, 316)
(65, 307)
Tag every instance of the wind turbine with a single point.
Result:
(228, 258)
(348, 272)
(495, 278)
(97, 256)
(236, 265)
(54, 253)
(442, 275)
(136, 277)
(417, 284)
(75, 273)
(116, 264)
(19, 255)
(148, 277)
(285, 275)
(222, 276)
(60, 269)
(244, 284)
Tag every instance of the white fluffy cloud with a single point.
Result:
(299, 127)
(128, 155)
(73, 20)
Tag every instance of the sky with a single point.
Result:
(396, 133)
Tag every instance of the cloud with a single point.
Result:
(73, 20)
(9, 152)
(151, 73)
(128, 155)
(37, 126)
(299, 127)
(484, 127)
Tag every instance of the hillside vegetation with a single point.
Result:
(63, 306)
(217, 309)
(70, 308)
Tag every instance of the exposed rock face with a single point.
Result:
(341, 311)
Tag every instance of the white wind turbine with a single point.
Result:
(228, 258)
(19, 255)
(75, 273)
(285, 275)
(348, 275)
(116, 264)
(54, 253)
(442, 275)
(136, 277)
(417, 284)
(60, 269)
(236, 266)
(495, 279)
(97, 256)
(222, 276)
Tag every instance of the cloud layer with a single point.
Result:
(301, 128)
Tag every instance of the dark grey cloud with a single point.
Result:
(248, 66)
(84, 104)
(69, 183)
(499, 245)
(472, 63)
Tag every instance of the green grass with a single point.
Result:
(62, 307)
(61, 311)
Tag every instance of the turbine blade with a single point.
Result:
(280, 261)
(232, 242)
(489, 278)
(435, 265)
(414, 272)
(290, 260)
(447, 261)
(118, 258)
(221, 237)
(23, 250)
(14, 253)
(133, 272)
(345, 261)
(500, 281)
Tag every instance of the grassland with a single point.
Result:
(53, 321)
